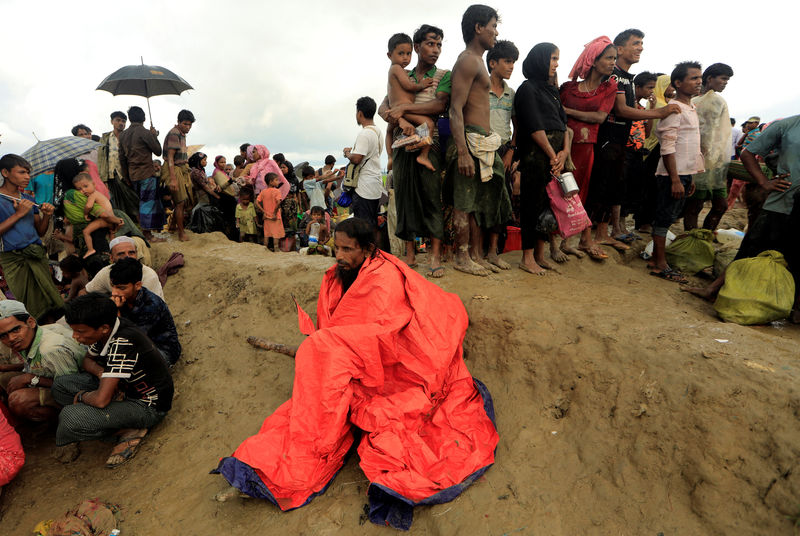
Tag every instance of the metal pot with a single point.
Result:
(569, 186)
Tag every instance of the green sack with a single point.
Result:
(757, 290)
(693, 252)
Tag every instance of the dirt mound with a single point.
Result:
(623, 405)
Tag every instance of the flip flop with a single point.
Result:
(619, 246)
(668, 274)
(596, 254)
(131, 446)
(626, 238)
(435, 273)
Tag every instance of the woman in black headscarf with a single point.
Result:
(543, 145)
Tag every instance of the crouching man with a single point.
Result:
(125, 389)
(43, 352)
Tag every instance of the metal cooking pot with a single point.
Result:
(569, 186)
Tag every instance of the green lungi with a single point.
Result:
(418, 195)
(28, 275)
(488, 201)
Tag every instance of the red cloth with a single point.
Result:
(12, 457)
(387, 358)
(602, 99)
(583, 159)
(591, 51)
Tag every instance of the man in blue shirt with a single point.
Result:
(22, 256)
(144, 308)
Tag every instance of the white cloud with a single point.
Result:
(287, 74)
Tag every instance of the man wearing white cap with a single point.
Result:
(121, 248)
(45, 352)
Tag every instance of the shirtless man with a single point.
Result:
(478, 201)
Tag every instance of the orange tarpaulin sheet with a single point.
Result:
(386, 357)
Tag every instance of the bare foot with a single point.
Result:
(67, 453)
(468, 266)
(495, 259)
(89, 253)
(228, 494)
(410, 261)
(546, 265)
(425, 162)
(487, 265)
(155, 239)
(557, 255)
(182, 237)
(534, 269)
(569, 250)
(702, 292)
(616, 244)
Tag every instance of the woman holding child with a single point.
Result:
(588, 98)
(543, 145)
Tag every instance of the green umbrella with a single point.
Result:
(144, 80)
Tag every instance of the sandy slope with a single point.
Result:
(618, 411)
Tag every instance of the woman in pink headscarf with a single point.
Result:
(588, 98)
(261, 165)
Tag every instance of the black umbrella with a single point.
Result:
(144, 80)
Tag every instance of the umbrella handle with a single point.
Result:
(149, 114)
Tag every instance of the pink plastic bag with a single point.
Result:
(569, 211)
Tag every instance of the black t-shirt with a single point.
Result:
(537, 107)
(130, 356)
(616, 129)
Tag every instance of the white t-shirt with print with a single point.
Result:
(370, 144)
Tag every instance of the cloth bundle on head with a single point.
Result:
(263, 166)
(591, 51)
(12, 307)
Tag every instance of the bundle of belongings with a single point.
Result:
(757, 290)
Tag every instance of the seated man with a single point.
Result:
(386, 359)
(123, 247)
(126, 387)
(142, 307)
(45, 352)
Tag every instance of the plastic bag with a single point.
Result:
(757, 290)
(693, 252)
(547, 222)
(206, 219)
(569, 211)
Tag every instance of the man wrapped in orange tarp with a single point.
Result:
(385, 361)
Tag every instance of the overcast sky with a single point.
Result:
(287, 74)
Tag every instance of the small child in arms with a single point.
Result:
(83, 183)
(322, 233)
(246, 217)
(270, 201)
(401, 90)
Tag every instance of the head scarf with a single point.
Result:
(662, 83)
(591, 51)
(545, 96)
(263, 166)
(195, 159)
(216, 165)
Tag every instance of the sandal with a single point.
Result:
(131, 445)
(619, 246)
(595, 253)
(669, 274)
(435, 273)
